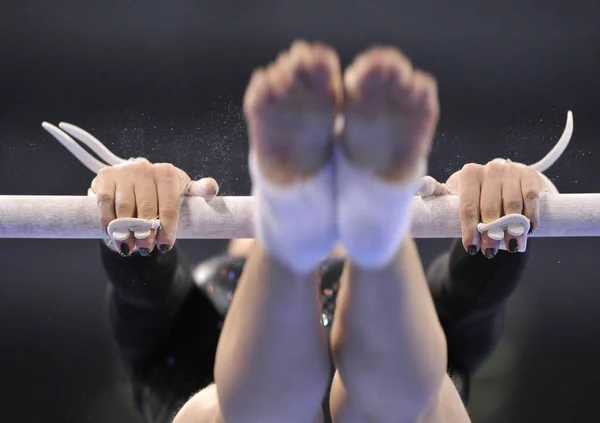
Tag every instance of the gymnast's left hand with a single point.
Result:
(145, 190)
(488, 192)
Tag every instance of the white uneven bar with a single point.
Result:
(562, 215)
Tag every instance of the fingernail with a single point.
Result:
(472, 249)
(513, 246)
(164, 248)
(490, 253)
(144, 252)
(124, 250)
(530, 231)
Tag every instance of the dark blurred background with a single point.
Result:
(165, 80)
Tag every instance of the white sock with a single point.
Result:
(295, 224)
(373, 216)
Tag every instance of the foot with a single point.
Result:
(290, 108)
(391, 111)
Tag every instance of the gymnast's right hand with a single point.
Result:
(145, 190)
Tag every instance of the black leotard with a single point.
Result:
(167, 324)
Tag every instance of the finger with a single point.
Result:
(531, 188)
(146, 200)
(469, 191)
(104, 188)
(512, 202)
(206, 188)
(169, 201)
(491, 204)
(430, 187)
(452, 182)
(125, 207)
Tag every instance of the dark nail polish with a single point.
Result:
(472, 249)
(124, 250)
(513, 246)
(144, 252)
(490, 253)
(164, 248)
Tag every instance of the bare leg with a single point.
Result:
(272, 361)
(389, 347)
(272, 355)
(240, 247)
(387, 341)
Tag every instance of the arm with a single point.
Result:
(470, 291)
(470, 294)
(146, 289)
(144, 296)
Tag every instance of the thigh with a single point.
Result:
(448, 408)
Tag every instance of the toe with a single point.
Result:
(280, 78)
(325, 72)
(377, 74)
(421, 95)
(257, 93)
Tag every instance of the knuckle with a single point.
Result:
(469, 212)
(531, 195)
(166, 173)
(169, 212)
(489, 211)
(134, 170)
(472, 169)
(513, 205)
(513, 170)
(124, 207)
(104, 172)
(143, 166)
(494, 168)
(164, 168)
(147, 206)
(528, 172)
(103, 199)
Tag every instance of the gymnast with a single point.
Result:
(363, 335)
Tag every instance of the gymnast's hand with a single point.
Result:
(145, 190)
(488, 192)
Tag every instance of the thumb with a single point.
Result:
(206, 188)
(430, 187)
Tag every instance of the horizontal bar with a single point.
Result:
(75, 217)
